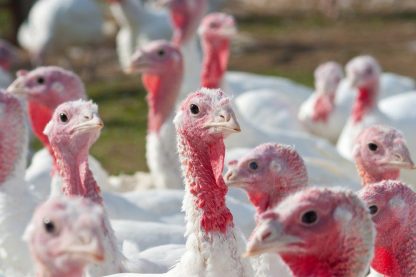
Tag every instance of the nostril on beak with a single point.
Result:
(398, 157)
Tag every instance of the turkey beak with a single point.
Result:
(138, 62)
(94, 122)
(224, 122)
(17, 87)
(268, 237)
(400, 158)
(86, 245)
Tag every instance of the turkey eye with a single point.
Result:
(63, 117)
(373, 209)
(309, 217)
(161, 53)
(49, 226)
(194, 109)
(213, 25)
(372, 146)
(40, 80)
(253, 165)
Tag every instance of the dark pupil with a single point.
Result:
(63, 117)
(373, 209)
(41, 80)
(213, 25)
(194, 109)
(161, 52)
(309, 217)
(372, 146)
(253, 165)
(49, 226)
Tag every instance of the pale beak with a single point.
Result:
(86, 245)
(138, 62)
(269, 237)
(95, 123)
(17, 88)
(224, 122)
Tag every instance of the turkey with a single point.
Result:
(273, 107)
(364, 73)
(319, 114)
(202, 122)
(64, 235)
(380, 152)
(139, 24)
(268, 173)
(7, 56)
(44, 88)
(391, 205)
(55, 25)
(16, 199)
(161, 65)
(318, 232)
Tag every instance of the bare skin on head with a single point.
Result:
(73, 129)
(327, 78)
(268, 173)
(64, 235)
(380, 152)
(392, 207)
(317, 232)
(216, 31)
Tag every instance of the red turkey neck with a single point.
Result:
(77, 177)
(323, 107)
(163, 90)
(365, 101)
(399, 259)
(39, 116)
(203, 165)
(215, 63)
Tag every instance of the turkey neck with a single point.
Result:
(365, 101)
(39, 116)
(215, 62)
(395, 256)
(372, 174)
(202, 164)
(323, 107)
(76, 174)
(163, 90)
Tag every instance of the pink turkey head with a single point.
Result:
(162, 67)
(380, 152)
(391, 205)
(12, 134)
(74, 127)
(206, 114)
(217, 26)
(157, 57)
(7, 55)
(186, 16)
(363, 72)
(268, 173)
(45, 89)
(66, 234)
(317, 227)
(327, 77)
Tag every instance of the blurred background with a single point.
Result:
(287, 38)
